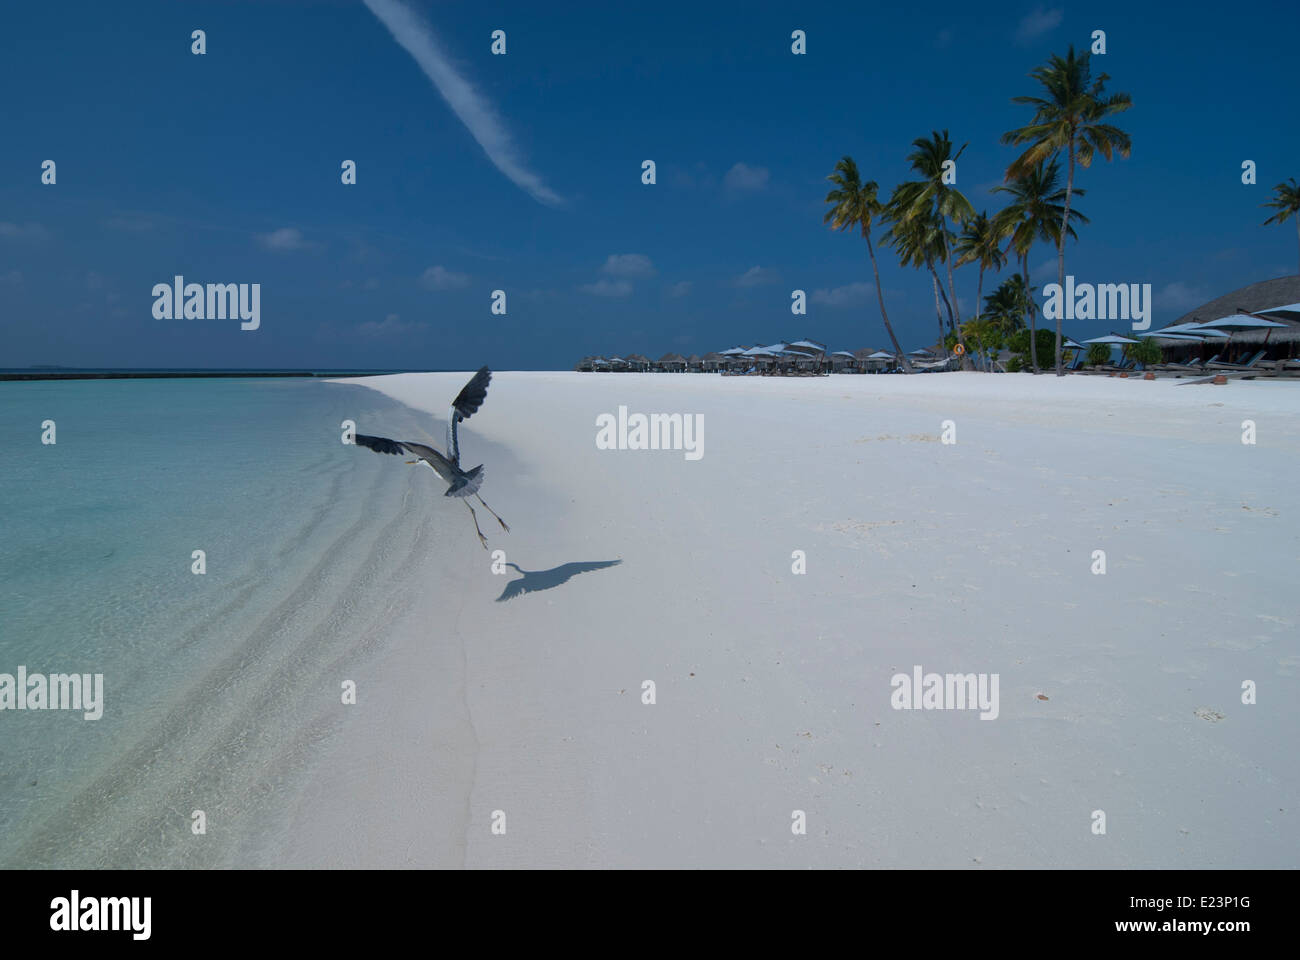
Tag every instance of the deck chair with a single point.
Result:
(1192, 366)
(1223, 365)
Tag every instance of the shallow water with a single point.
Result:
(215, 685)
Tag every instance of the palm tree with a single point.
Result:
(856, 204)
(1007, 307)
(981, 242)
(1003, 313)
(930, 196)
(1007, 304)
(1036, 212)
(1070, 116)
(1098, 354)
(918, 242)
(1286, 203)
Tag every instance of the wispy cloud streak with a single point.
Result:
(479, 116)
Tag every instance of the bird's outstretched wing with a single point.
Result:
(465, 405)
(426, 453)
(379, 444)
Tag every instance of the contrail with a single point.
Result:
(474, 111)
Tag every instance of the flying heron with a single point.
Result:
(460, 483)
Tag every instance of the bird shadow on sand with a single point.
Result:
(534, 580)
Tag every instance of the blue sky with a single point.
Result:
(226, 168)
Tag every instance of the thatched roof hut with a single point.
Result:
(712, 361)
(671, 362)
(1251, 299)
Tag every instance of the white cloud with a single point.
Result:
(744, 177)
(1180, 296)
(284, 239)
(629, 265)
(479, 116)
(1046, 271)
(22, 231)
(1038, 22)
(131, 222)
(680, 289)
(390, 326)
(440, 278)
(607, 288)
(755, 276)
(842, 296)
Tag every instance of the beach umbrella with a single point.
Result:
(812, 345)
(1241, 321)
(1111, 338)
(1173, 336)
(1288, 311)
(1177, 328)
(1238, 321)
(880, 355)
(1071, 345)
(1187, 329)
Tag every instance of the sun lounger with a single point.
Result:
(1124, 365)
(1282, 366)
(1195, 366)
(1222, 365)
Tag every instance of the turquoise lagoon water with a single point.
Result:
(215, 685)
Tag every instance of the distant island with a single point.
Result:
(51, 372)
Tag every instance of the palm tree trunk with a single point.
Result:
(937, 312)
(907, 366)
(979, 302)
(947, 259)
(1060, 256)
(956, 307)
(1297, 232)
(942, 293)
(1033, 333)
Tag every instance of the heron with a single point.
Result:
(460, 483)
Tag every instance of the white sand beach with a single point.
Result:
(1119, 692)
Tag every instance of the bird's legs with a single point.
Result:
(494, 513)
(481, 539)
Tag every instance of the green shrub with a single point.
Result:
(1098, 353)
(1018, 344)
(1145, 351)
